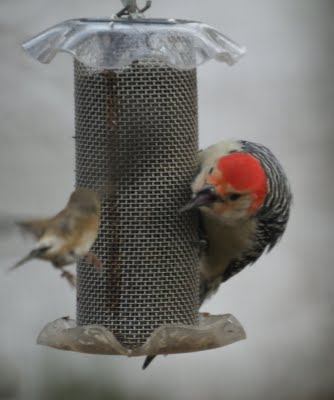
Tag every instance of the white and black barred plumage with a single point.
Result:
(270, 220)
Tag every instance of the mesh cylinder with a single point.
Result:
(136, 141)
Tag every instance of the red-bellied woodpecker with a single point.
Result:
(244, 200)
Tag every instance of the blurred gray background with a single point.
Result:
(280, 94)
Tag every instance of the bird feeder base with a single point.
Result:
(213, 331)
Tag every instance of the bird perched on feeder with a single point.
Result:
(244, 199)
(68, 236)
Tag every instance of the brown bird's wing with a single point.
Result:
(35, 227)
(72, 225)
(63, 224)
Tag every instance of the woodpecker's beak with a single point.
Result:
(204, 197)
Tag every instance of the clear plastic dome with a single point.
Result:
(115, 43)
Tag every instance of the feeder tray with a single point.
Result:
(136, 139)
(212, 331)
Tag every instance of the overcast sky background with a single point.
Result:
(280, 94)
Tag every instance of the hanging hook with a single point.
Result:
(131, 9)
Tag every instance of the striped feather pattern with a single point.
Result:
(271, 218)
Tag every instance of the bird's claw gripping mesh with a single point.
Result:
(136, 142)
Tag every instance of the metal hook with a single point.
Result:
(131, 9)
(146, 6)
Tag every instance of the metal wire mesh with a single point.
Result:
(136, 141)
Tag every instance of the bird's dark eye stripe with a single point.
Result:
(234, 196)
(211, 169)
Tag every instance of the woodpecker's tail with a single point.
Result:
(148, 361)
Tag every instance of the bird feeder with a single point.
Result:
(136, 141)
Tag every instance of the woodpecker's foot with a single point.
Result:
(92, 258)
(202, 245)
(71, 279)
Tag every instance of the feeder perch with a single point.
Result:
(136, 140)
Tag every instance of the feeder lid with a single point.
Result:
(113, 43)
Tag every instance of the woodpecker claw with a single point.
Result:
(202, 245)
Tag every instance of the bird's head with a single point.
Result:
(85, 200)
(234, 187)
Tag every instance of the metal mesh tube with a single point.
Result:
(136, 140)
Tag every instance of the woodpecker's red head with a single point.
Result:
(234, 187)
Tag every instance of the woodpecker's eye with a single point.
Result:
(211, 169)
(234, 196)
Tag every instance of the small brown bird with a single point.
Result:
(68, 236)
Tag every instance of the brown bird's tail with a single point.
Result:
(23, 260)
(148, 361)
(33, 254)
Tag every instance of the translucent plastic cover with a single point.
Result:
(116, 43)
